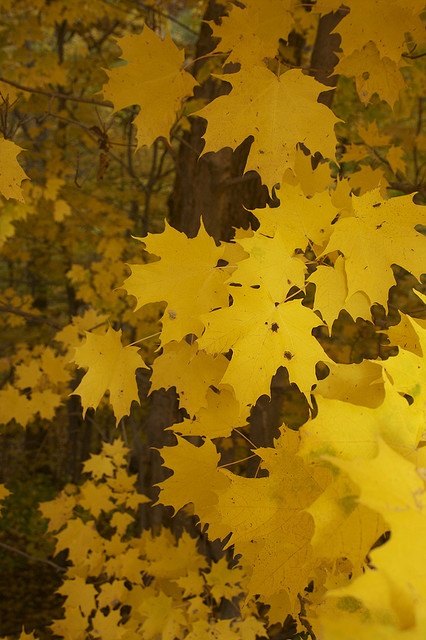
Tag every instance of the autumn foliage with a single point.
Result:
(323, 529)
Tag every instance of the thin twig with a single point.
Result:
(31, 317)
(54, 94)
(32, 558)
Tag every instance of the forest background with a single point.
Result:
(226, 466)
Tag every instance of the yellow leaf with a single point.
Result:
(366, 179)
(61, 210)
(121, 521)
(224, 582)
(45, 403)
(351, 431)
(186, 277)
(405, 336)
(382, 22)
(372, 136)
(279, 111)
(264, 333)
(96, 498)
(162, 618)
(252, 33)
(189, 464)
(107, 626)
(392, 486)
(373, 74)
(331, 293)
(59, 510)
(311, 180)
(300, 220)
(191, 371)
(273, 533)
(407, 370)
(110, 367)
(14, 406)
(221, 415)
(73, 626)
(79, 594)
(370, 241)
(11, 172)
(3, 494)
(55, 366)
(359, 384)
(72, 334)
(112, 593)
(269, 265)
(153, 79)
(170, 559)
(343, 527)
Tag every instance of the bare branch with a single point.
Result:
(32, 558)
(56, 95)
(30, 317)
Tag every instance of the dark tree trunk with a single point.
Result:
(212, 186)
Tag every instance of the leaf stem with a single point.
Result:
(142, 339)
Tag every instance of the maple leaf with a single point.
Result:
(264, 334)
(3, 492)
(349, 431)
(299, 220)
(96, 498)
(169, 558)
(74, 625)
(110, 367)
(276, 111)
(189, 464)
(392, 486)
(220, 416)
(407, 370)
(45, 403)
(344, 528)
(112, 593)
(373, 74)
(253, 32)
(153, 79)
(379, 234)
(161, 617)
(223, 582)
(76, 536)
(186, 276)
(11, 172)
(15, 406)
(107, 626)
(59, 511)
(359, 384)
(272, 534)
(311, 180)
(269, 265)
(365, 23)
(331, 293)
(79, 594)
(191, 371)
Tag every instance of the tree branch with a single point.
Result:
(54, 94)
(33, 558)
(31, 317)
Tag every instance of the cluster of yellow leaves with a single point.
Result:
(120, 585)
(237, 312)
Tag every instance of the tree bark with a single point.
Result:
(214, 185)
